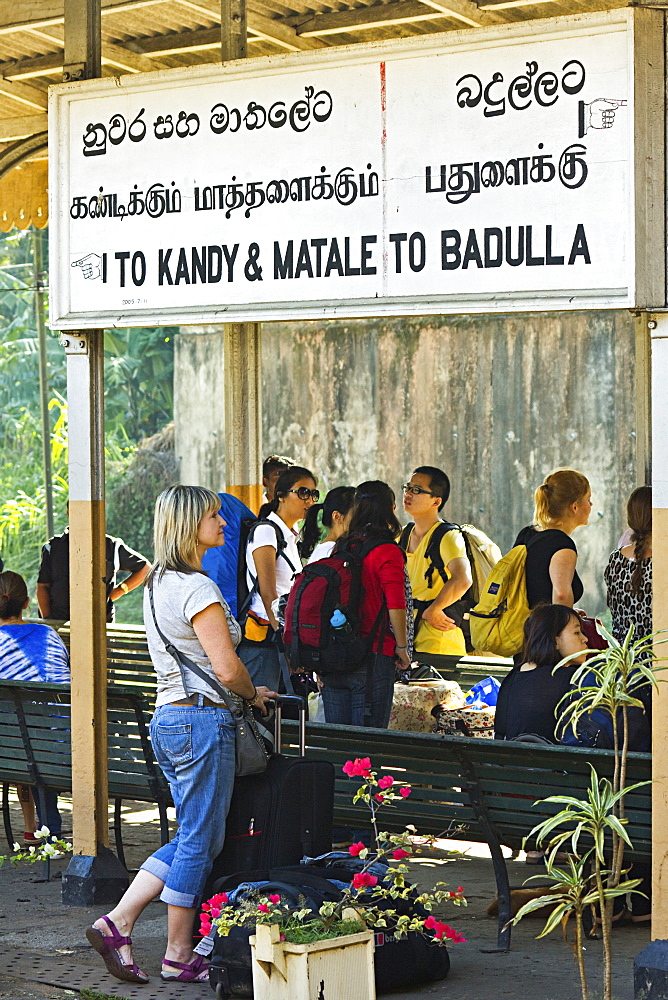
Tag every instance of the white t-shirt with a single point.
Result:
(321, 551)
(285, 573)
(178, 597)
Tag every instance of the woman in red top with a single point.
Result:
(382, 613)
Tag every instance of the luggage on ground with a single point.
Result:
(398, 964)
(278, 817)
(322, 616)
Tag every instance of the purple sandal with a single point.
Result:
(107, 946)
(191, 972)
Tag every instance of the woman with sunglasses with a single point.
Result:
(272, 562)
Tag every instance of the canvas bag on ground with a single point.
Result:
(397, 963)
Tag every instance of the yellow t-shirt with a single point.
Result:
(429, 639)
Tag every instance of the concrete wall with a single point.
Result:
(496, 401)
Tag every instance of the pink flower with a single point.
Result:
(363, 879)
(215, 912)
(220, 899)
(274, 899)
(263, 908)
(378, 797)
(460, 890)
(430, 923)
(355, 849)
(204, 925)
(400, 854)
(404, 792)
(386, 782)
(358, 768)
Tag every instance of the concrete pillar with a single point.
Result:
(651, 965)
(94, 876)
(243, 410)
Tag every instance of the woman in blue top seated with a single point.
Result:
(30, 651)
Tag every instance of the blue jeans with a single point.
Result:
(51, 816)
(344, 695)
(194, 746)
(261, 662)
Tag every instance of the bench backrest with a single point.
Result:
(448, 772)
(35, 739)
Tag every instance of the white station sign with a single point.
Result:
(470, 172)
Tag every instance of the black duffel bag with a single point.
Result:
(398, 963)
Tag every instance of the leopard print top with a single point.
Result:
(625, 605)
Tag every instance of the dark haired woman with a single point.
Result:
(30, 652)
(334, 512)
(628, 575)
(373, 529)
(530, 693)
(272, 562)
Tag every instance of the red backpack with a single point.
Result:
(323, 588)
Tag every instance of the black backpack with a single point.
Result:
(398, 964)
(245, 594)
(460, 609)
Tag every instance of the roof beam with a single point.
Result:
(112, 55)
(21, 14)
(12, 129)
(401, 12)
(269, 28)
(24, 94)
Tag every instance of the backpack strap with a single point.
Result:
(281, 546)
(404, 536)
(433, 555)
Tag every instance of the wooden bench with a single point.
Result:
(35, 748)
(473, 789)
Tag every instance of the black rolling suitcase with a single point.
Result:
(278, 817)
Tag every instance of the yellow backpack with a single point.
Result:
(497, 620)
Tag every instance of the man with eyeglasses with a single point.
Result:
(439, 573)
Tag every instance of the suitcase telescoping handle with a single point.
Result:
(290, 699)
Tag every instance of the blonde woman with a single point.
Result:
(563, 503)
(192, 732)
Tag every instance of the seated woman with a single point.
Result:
(628, 575)
(531, 692)
(30, 651)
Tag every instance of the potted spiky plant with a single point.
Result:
(604, 689)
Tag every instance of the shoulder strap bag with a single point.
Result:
(250, 751)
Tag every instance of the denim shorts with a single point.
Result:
(195, 747)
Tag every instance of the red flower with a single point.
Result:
(430, 922)
(363, 879)
(400, 854)
(460, 889)
(205, 925)
(386, 782)
(404, 792)
(378, 797)
(355, 849)
(220, 899)
(274, 899)
(360, 767)
(215, 912)
(263, 908)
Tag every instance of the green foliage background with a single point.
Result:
(139, 366)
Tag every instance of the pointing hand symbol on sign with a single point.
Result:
(600, 113)
(90, 265)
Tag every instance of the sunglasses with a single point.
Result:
(304, 493)
(416, 490)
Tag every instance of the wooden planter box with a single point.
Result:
(333, 969)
